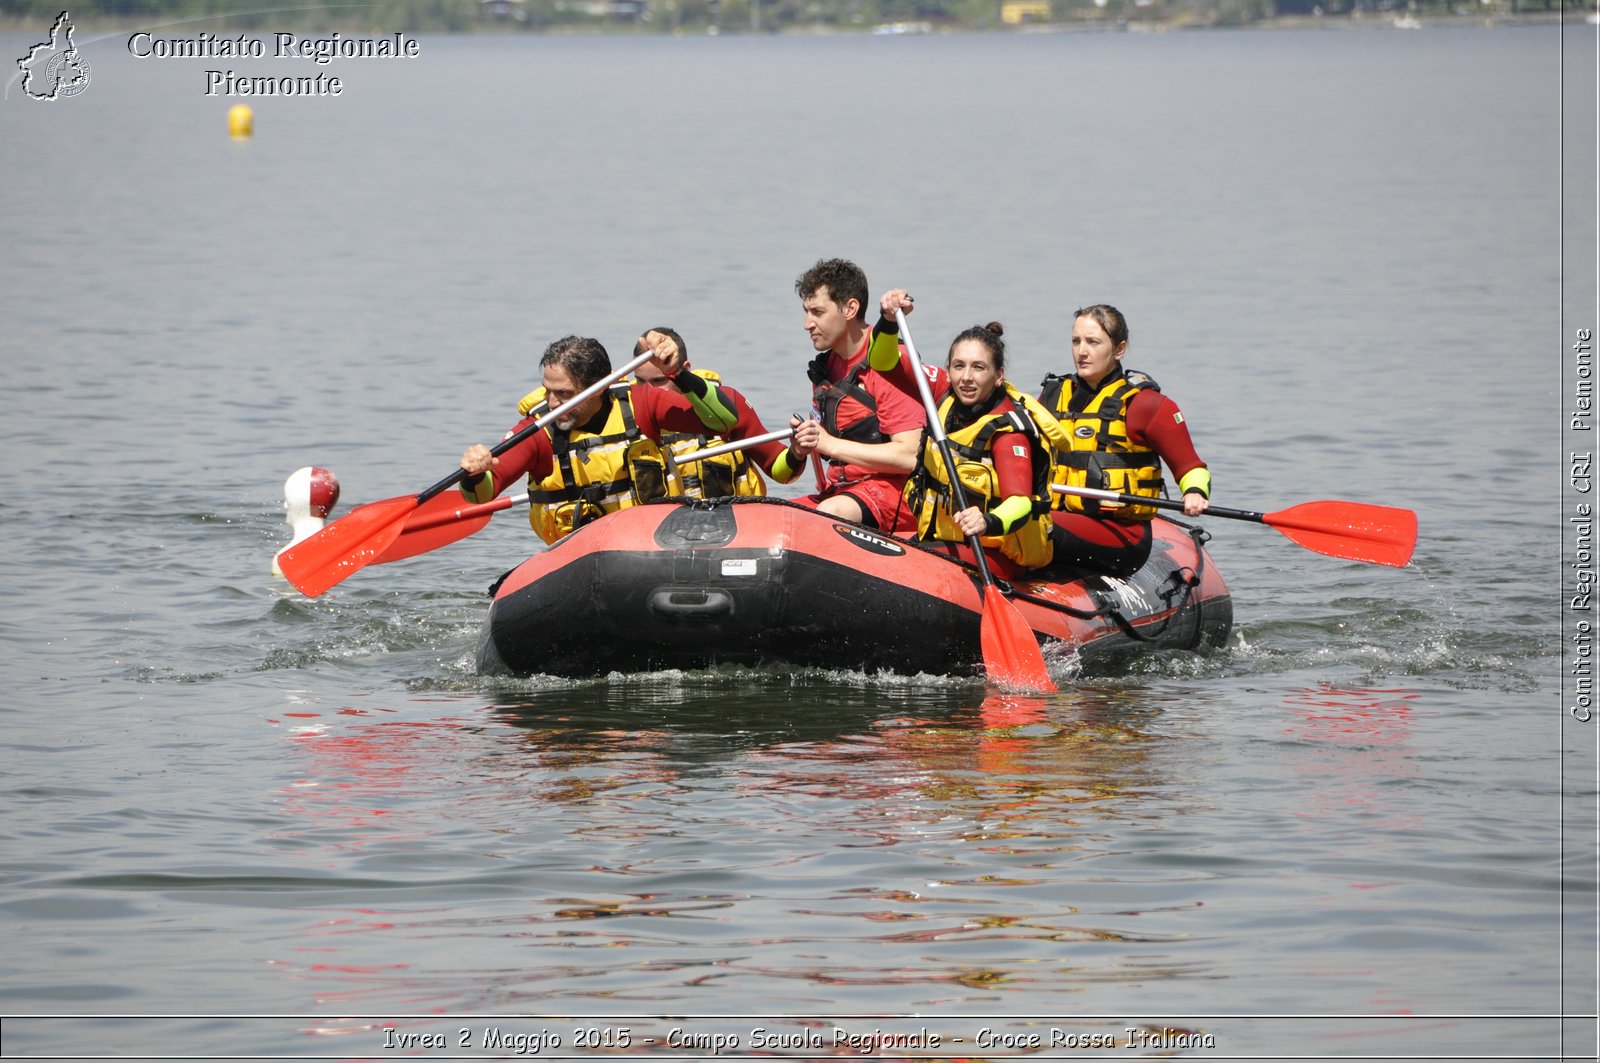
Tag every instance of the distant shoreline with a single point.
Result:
(1379, 20)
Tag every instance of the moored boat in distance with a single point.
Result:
(762, 581)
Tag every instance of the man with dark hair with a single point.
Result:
(583, 464)
(864, 430)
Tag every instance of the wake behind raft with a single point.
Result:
(679, 584)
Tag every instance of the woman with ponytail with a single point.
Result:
(1002, 465)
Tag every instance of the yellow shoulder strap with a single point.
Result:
(1050, 428)
(532, 399)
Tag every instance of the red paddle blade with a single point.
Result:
(347, 545)
(440, 521)
(1355, 531)
(1011, 655)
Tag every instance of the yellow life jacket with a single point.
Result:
(717, 477)
(1098, 453)
(592, 472)
(928, 490)
(714, 477)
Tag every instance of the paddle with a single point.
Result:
(444, 519)
(737, 444)
(357, 539)
(441, 521)
(1355, 531)
(1011, 654)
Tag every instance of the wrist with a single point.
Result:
(1196, 480)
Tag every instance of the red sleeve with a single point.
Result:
(1156, 422)
(658, 410)
(532, 456)
(749, 424)
(905, 378)
(1012, 454)
(897, 411)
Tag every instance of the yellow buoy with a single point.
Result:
(241, 120)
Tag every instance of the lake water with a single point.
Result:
(240, 822)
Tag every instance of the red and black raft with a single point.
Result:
(692, 584)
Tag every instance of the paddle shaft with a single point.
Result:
(958, 497)
(1010, 647)
(737, 444)
(1355, 531)
(427, 522)
(517, 437)
(674, 477)
(1156, 503)
(484, 509)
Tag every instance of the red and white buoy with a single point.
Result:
(309, 495)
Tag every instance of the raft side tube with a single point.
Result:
(767, 582)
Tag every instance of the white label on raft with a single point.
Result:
(741, 566)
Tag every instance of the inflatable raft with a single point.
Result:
(689, 584)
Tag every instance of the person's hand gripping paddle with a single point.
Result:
(364, 535)
(1011, 655)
